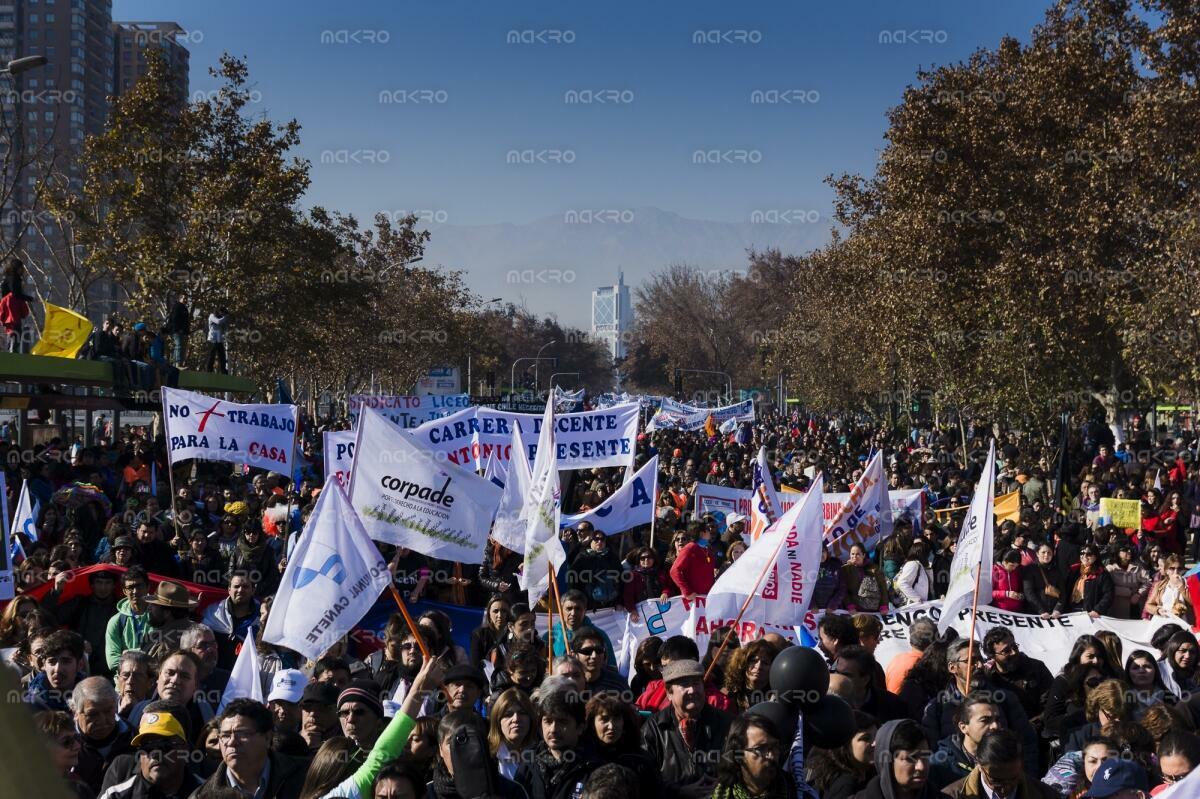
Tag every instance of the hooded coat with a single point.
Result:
(883, 784)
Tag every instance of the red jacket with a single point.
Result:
(654, 698)
(694, 570)
(1004, 581)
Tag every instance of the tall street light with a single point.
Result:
(536, 361)
(19, 65)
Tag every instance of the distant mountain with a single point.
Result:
(553, 263)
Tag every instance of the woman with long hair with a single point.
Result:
(645, 579)
(1088, 588)
(336, 760)
(12, 621)
(1088, 662)
(438, 633)
(1169, 596)
(485, 639)
(928, 676)
(613, 735)
(499, 572)
(840, 773)
(1181, 658)
(1146, 682)
(511, 730)
(866, 588)
(914, 580)
(646, 667)
(747, 676)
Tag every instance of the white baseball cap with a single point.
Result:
(734, 518)
(287, 685)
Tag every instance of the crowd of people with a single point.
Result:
(132, 606)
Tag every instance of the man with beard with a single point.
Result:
(397, 675)
(1028, 678)
(200, 641)
(162, 762)
(102, 734)
(168, 609)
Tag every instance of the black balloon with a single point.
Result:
(828, 724)
(782, 716)
(799, 676)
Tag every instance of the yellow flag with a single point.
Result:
(64, 333)
(1008, 507)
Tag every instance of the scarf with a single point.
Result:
(250, 554)
(443, 783)
(778, 790)
(552, 769)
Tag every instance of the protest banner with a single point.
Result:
(720, 501)
(408, 496)
(1125, 513)
(865, 517)
(673, 415)
(332, 579)
(407, 412)
(764, 502)
(585, 440)
(339, 455)
(630, 506)
(198, 426)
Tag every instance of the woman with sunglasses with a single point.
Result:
(1169, 596)
(1089, 588)
(64, 745)
(645, 579)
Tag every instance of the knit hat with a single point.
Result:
(365, 691)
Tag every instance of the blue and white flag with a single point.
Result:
(630, 506)
(333, 577)
(494, 471)
(764, 502)
(25, 521)
(245, 681)
(540, 513)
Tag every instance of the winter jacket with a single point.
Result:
(1130, 588)
(829, 591)
(938, 719)
(654, 697)
(971, 787)
(913, 582)
(126, 630)
(644, 584)
(598, 576)
(565, 781)
(694, 570)
(1004, 581)
(1039, 584)
(950, 762)
(683, 769)
(883, 784)
(285, 781)
(1097, 593)
(136, 787)
(1029, 679)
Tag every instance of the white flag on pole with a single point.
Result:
(245, 681)
(973, 555)
(790, 553)
(411, 497)
(540, 514)
(866, 515)
(339, 455)
(508, 530)
(25, 520)
(333, 577)
(631, 505)
(764, 503)
(494, 471)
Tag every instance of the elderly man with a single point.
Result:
(201, 642)
(318, 714)
(102, 734)
(287, 689)
(162, 761)
(360, 712)
(177, 682)
(135, 680)
(463, 686)
(247, 762)
(685, 737)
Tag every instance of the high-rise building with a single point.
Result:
(49, 110)
(131, 40)
(612, 315)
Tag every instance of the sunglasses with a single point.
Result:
(589, 651)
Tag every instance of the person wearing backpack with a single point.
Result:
(597, 571)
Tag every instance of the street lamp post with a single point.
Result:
(537, 360)
(556, 374)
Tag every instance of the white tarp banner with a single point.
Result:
(333, 577)
(673, 415)
(212, 429)
(630, 506)
(718, 500)
(585, 440)
(339, 455)
(408, 496)
(408, 411)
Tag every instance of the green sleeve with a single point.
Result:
(112, 643)
(387, 748)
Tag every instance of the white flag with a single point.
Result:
(508, 530)
(540, 514)
(339, 455)
(333, 577)
(8, 586)
(764, 503)
(630, 505)
(866, 515)
(974, 550)
(494, 471)
(789, 552)
(26, 519)
(245, 681)
(1158, 481)
(411, 497)
(198, 426)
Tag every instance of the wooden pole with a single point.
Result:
(746, 604)
(556, 599)
(411, 625)
(971, 635)
(550, 629)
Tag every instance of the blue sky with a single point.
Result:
(471, 98)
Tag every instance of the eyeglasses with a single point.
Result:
(589, 651)
(408, 646)
(1172, 778)
(764, 752)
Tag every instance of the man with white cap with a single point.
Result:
(287, 689)
(735, 528)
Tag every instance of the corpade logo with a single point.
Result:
(410, 490)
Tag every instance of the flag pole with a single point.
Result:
(550, 629)
(411, 625)
(746, 604)
(556, 598)
(971, 635)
